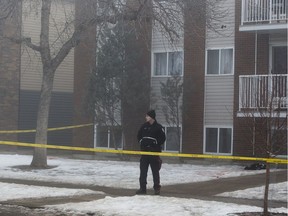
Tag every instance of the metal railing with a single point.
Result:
(263, 91)
(266, 11)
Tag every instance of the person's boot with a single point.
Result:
(157, 191)
(141, 191)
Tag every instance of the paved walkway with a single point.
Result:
(199, 190)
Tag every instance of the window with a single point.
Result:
(219, 61)
(218, 140)
(108, 138)
(168, 63)
(172, 142)
(279, 60)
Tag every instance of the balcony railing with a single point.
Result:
(263, 91)
(264, 11)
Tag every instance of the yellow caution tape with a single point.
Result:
(49, 129)
(167, 154)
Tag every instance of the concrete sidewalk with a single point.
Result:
(199, 190)
(209, 189)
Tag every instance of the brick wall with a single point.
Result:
(245, 45)
(244, 65)
(263, 54)
(194, 74)
(84, 61)
(9, 77)
(136, 103)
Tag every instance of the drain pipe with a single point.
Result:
(256, 53)
(255, 73)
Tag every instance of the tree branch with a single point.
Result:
(27, 41)
(7, 7)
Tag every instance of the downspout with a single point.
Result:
(256, 53)
(255, 73)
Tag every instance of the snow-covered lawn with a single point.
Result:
(125, 175)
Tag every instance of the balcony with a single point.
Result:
(263, 93)
(264, 15)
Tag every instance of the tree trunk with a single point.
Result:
(267, 182)
(40, 154)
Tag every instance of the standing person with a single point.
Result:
(151, 137)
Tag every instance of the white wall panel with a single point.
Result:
(219, 94)
(224, 33)
(31, 66)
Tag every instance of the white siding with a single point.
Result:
(156, 99)
(225, 28)
(219, 90)
(162, 43)
(31, 66)
(219, 93)
(161, 40)
(278, 39)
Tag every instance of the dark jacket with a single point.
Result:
(151, 137)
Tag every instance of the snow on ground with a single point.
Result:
(125, 175)
(120, 174)
(17, 191)
(157, 206)
(276, 192)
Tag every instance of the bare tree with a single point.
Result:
(8, 7)
(266, 122)
(171, 92)
(97, 12)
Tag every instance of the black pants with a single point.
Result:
(155, 164)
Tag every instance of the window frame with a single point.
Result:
(167, 62)
(164, 147)
(271, 55)
(218, 139)
(109, 144)
(219, 61)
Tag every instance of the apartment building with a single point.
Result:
(21, 74)
(260, 68)
(230, 76)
